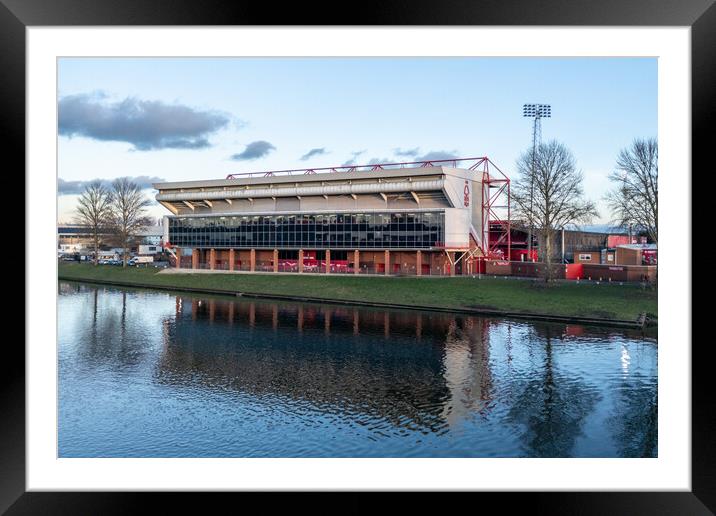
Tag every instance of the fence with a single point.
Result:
(573, 271)
(291, 266)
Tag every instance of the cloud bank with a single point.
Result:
(254, 150)
(77, 187)
(437, 155)
(352, 161)
(407, 152)
(314, 152)
(145, 124)
(378, 161)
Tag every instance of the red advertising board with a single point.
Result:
(615, 240)
(574, 271)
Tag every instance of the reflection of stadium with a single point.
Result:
(415, 370)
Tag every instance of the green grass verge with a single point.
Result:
(605, 301)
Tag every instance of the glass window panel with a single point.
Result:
(366, 230)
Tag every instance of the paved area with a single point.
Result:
(174, 270)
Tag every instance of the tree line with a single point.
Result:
(548, 194)
(117, 211)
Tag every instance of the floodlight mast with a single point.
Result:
(536, 111)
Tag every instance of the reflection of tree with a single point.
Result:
(109, 335)
(552, 409)
(634, 419)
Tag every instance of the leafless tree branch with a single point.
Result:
(557, 194)
(128, 213)
(94, 211)
(634, 199)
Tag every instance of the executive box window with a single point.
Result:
(334, 231)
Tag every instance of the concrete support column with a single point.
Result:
(419, 263)
(232, 259)
(300, 260)
(195, 259)
(356, 261)
(212, 258)
(452, 264)
(178, 258)
(328, 261)
(387, 262)
(275, 260)
(252, 260)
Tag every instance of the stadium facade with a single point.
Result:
(419, 218)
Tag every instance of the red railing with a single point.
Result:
(495, 190)
(366, 168)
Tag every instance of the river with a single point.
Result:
(156, 374)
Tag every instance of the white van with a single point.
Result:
(140, 259)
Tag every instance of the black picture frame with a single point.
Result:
(700, 15)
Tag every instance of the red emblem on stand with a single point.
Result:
(467, 194)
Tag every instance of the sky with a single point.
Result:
(177, 119)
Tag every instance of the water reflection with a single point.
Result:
(192, 376)
(552, 407)
(413, 371)
(634, 416)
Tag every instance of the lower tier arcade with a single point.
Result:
(382, 262)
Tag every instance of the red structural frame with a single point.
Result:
(495, 189)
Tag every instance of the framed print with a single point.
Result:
(400, 253)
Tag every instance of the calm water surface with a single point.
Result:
(153, 374)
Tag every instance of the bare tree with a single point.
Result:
(634, 200)
(94, 211)
(128, 213)
(550, 194)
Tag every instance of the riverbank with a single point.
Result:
(619, 305)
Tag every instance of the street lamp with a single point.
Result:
(537, 112)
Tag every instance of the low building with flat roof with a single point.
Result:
(78, 237)
(398, 218)
(151, 235)
(636, 254)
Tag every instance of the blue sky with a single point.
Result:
(183, 119)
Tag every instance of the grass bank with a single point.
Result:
(564, 299)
